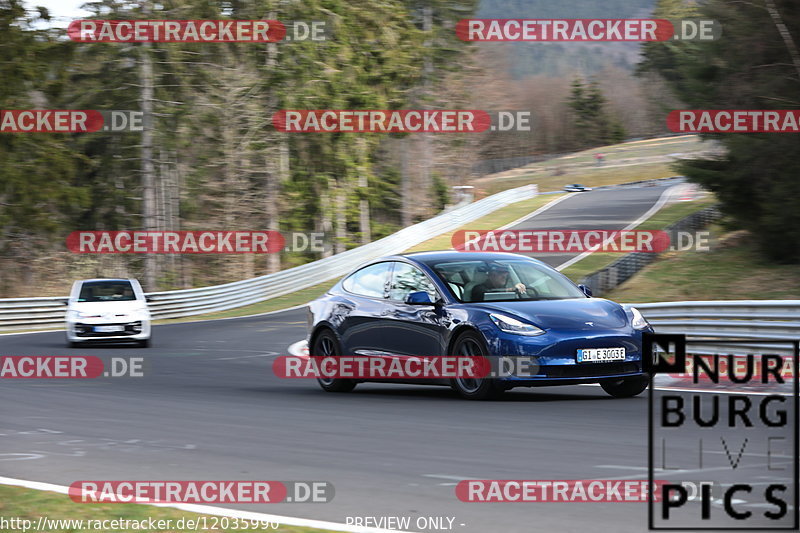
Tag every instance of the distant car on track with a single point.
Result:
(108, 310)
(576, 187)
(480, 304)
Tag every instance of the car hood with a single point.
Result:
(107, 308)
(589, 314)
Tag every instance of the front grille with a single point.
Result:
(588, 370)
(85, 330)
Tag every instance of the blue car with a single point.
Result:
(495, 305)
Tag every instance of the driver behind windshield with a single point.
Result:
(496, 281)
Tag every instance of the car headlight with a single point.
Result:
(638, 321)
(81, 314)
(512, 325)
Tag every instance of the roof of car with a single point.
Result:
(441, 255)
(104, 279)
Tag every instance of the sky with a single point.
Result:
(62, 11)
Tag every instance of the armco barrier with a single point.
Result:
(748, 320)
(626, 266)
(29, 313)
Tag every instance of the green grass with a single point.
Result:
(17, 502)
(626, 162)
(733, 269)
(501, 217)
(273, 304)
(589, 176)
(660, 220)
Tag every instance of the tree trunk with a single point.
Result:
(341, 219)
(148, 170)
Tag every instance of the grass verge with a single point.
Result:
(501, 217)
(660, 220)
(626, 162)
(28, 504)
(589, 176)
(273, 304)
(733, 269)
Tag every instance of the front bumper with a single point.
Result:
(552, 358)
(84, 331)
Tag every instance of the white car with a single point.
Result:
(107, 310)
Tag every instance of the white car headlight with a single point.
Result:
(638, 321)
(512, 325)
(81, 314)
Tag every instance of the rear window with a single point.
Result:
(106, 291)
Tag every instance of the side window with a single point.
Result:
(369, 281)
(407, 279)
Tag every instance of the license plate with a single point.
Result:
(108, 329)
(601, 355)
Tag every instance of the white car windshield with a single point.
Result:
(504, 280)
(106, 291)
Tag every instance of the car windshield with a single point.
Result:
(504, 280)
(106, 291)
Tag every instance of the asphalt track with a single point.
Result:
(209, 407)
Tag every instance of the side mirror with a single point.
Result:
(586, 290)
(419, 298)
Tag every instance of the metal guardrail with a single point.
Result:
(31, 313)
(623, 268)
(747, 320)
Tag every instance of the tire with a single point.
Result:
(626, 388)
(73, 344)
(326, 344)
(471, 344)
(144, 343)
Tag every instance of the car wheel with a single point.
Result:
(470, 344)
(326, 345)
(626, 388)
(144, 343)
(73, 344)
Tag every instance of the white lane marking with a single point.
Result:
(622, 467)
(217, 511)
(299, 348)
(23, 456)
(538, 211)
(715, 391)
(267, 354)
(444, 476)
(650, 212)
